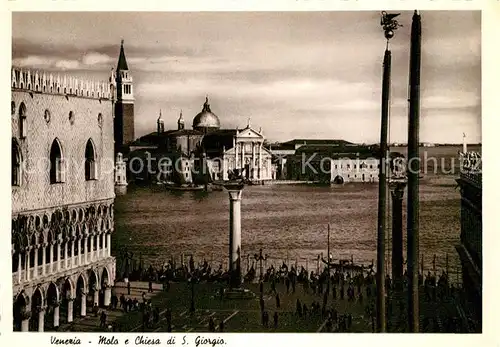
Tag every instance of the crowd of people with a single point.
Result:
(346, 281)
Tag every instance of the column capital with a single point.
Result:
(235, 192)
(235, 195)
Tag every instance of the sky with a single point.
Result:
(294, 74)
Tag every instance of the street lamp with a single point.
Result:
(259, 257)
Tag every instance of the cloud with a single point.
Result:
(96, 59)
(296, 93)
(317, 74)
(67, 64)
(33, 61)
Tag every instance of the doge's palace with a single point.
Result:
(62, 198)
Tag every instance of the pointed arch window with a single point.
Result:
(16, 164)
(90, 158)
(22, 121)
(56, 163)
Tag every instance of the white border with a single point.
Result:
(490, 107)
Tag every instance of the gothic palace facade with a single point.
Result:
(62, 198)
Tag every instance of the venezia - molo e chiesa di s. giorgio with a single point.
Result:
(66, 134)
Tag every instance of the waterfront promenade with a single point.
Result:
(244, 315)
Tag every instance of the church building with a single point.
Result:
(205, 151)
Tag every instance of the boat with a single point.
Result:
(197, 187)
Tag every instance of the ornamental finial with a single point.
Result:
(389, 24)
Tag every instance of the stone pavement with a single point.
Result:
(242, 315)
(245, 316)
(91, 322)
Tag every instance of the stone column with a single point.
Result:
(235, 156)
(35, 265)
(86, 250)
(107, 296)
(99, 246)
(56, 315)
(70, 310)
(19, 268)
(91, 247)
(260, 161)
(95, 241)
(44, 259)
(58, 258)
(27, 263)
(108, 237)
(397, 192)
(41, 319)
(252, 166)
(51, 245)
(25, 324)
(96, 297)
(234, 191)
(80, 250)
(66, 254)
(83, 311)
(242, 156)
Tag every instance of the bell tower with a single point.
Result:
(124, 107)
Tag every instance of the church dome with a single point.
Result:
(206, 120)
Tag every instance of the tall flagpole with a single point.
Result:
(413, 174)
(389, 25)
(382, 196)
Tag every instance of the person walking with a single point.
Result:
(299, 308)
(128, 288)
(103, 319)
(277, 300)
(265, 319)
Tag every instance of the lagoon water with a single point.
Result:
(286, 221)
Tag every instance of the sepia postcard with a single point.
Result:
(177, 175)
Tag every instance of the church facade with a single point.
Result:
(205, 152)
(62, 174)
